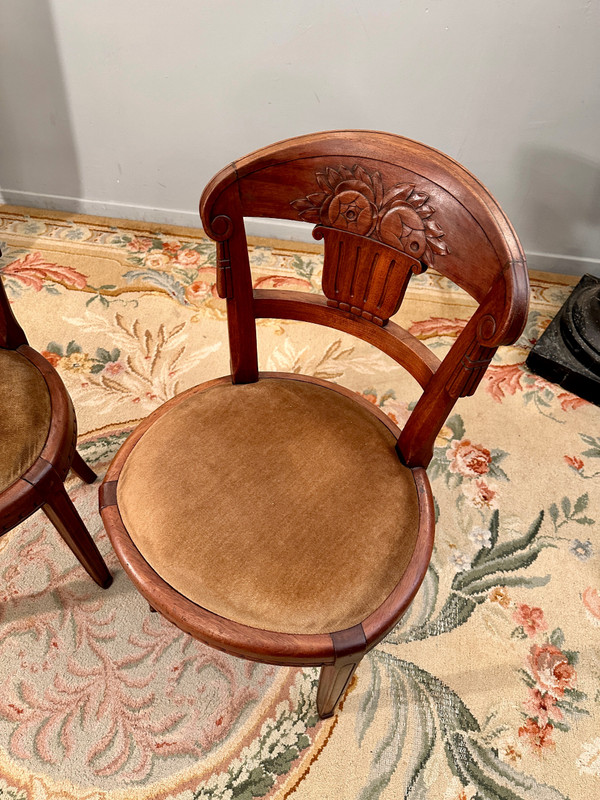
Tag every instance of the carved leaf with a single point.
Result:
(439, 247)
(378, 187)
(346, 173)
(323, 183)
(311, 215)
(402, 191)
(317, 198)
(333, 177)
(433, 229)
(418, 198)
(301, 205)
(425, 211)
(362, 175)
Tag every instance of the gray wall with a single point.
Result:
(127, 107)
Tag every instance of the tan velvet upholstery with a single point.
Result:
(281, 505)
(24, 415)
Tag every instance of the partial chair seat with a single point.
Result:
(280, 504)
(25, 418)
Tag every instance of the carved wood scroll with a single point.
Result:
(355, 201)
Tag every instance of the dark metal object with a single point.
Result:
(568, 352)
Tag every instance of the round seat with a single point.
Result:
(281, 505)
(25, 418)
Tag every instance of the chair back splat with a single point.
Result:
(281, 517)
(387, 208)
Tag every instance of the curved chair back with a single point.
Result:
(386, 207)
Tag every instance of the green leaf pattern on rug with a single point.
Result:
(428, 709)
(423, 707)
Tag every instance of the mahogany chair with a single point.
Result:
(283, 518)
(38, 434)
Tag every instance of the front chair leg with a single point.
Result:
(333, 683)
(81, 469)
(64, 516)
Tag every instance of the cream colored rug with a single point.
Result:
(490, 687)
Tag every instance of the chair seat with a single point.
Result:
(24, 418)
(280, 504)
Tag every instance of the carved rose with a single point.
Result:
(551, 669)
(355, 201)
(349, 200)
(468, 460)
(351, 211)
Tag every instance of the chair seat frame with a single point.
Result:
(337, 648)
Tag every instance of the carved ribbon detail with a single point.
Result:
(353, 200)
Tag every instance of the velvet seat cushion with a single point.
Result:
(279, 504)
(25, 413)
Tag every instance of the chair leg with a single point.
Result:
(81, 469)
(64, 516)
(333, 683)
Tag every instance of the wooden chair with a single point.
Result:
(38, 434)
(280, 517)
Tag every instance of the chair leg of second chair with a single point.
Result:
(64, 516)
(82, 470)
(333, 682)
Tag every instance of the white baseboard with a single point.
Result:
(567, 265)
(100, 208)
(256, 226)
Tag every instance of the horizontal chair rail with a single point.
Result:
(391, 339)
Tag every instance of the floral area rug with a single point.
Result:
(490, 686)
